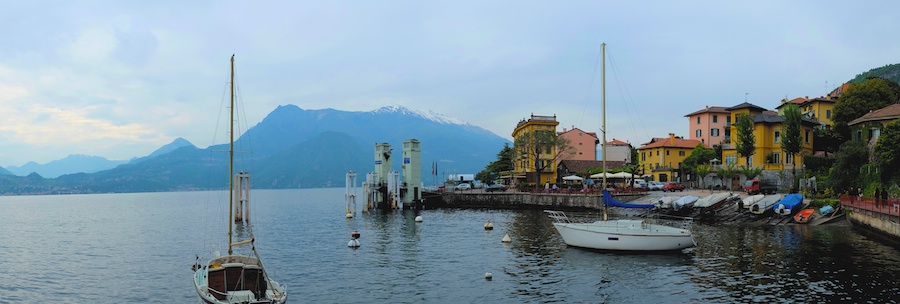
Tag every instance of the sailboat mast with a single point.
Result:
(603, 105)
(231, 161)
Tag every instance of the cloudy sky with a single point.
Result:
(119, 79)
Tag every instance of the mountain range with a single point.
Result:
(290, 148)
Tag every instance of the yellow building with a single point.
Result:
(524, 162)
(662, 157)
(767, 130)
(820, 109)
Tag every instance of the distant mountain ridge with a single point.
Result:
(292, 148)
(890, 72)
(71, 164)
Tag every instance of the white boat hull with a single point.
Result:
(627, 235)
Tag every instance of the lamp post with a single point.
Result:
(712, 163)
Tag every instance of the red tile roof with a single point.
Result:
(713, 109)
(594, 134)
(617, 142)
(839, 90)
(676, 142)
(890, 112)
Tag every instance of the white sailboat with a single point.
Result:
(236, 278)
(627, 235)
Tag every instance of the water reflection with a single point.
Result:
(791, 263)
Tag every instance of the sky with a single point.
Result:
(119, 79)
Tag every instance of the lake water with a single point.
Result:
(129, 248)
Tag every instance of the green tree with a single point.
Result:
(887, 152)
(702, 172)
(750, 172)
(726, 172)
(538, 145)
(701, 155)
(746, 141)
(826, 139)
(790, 137)
(503, 163)
(859, 99)
(848, 161)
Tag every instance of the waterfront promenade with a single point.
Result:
(883, 216)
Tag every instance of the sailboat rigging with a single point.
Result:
(236, 278)
(625, 235)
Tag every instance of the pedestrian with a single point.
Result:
(859, 192)
(877, 196)
(884, 196)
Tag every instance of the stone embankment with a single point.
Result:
(725, 213)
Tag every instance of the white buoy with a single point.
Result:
(353, 243)
(507, 239)
(488, 276)
(419, 218)
(488, 226)
(349, 215)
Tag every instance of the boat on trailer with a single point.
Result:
(804, 215)
(765, 204)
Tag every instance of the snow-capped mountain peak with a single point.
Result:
(429, 115)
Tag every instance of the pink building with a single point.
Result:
(711, 126)
(584, 145)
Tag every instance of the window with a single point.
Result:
(657, 152)
(776, 158)
(713, 132)
(699, 133)
(806, 136)
(698, 120)
(730, 159)
(667, 152)
(777, 136)
(715, 118)
(680, 153)
(643, 156)
(789, 159)
(728, 120)
(827, 113)
(874, 133)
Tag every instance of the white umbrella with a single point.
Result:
(572, 178)
(600, 175)
(621, 175)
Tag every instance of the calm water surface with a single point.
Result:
(128, 248)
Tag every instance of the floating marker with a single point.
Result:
(419, 218)
(488, 226)
(354, 243)
(355, 234)
(488, 276)
(507, 239)
(349, 215)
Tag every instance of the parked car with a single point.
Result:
(463, 186)
(654, 185)
(672, 187)
(495, 187)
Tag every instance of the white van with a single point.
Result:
(639, 183)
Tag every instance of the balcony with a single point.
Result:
(773, 167)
